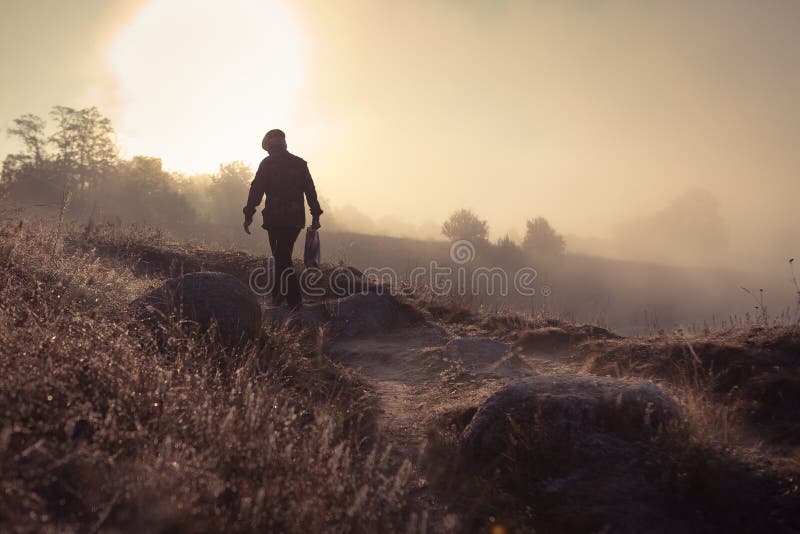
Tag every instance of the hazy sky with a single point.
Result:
(588, 112)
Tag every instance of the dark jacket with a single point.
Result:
(283, 178)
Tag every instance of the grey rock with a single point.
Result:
(202, 299)
(587, 449)
(371, 312)
(566, 413)
(351, 316)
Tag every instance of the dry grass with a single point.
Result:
(733, 458)
(101, 431)
(738, 385)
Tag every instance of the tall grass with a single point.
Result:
(102, 430)
(711, 418)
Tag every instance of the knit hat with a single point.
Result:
(272, 134)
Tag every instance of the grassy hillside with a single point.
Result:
(629, 296)
(632, 297)
(101, 429)
(105, 429)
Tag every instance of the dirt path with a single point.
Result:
(404, 368)
(416, 374)
(421, 372)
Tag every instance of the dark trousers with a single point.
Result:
(281, 241)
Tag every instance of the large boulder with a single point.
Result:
(200, 300)
(370, 312)
(567, 413)
(586, 449)
(358, 314)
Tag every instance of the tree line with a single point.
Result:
(540, 237)
(72, 162)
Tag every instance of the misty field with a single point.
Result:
(370, 413)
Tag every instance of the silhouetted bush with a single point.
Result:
(541, 239)
(464, 224)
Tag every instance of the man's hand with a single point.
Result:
(315, 223)
(246, 226)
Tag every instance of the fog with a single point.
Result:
(657, 132)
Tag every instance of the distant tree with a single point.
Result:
(84, 152)
(77, 167)
(141, 190)
(464, 224)
(506, 243)
(29, 174)
(507, 252)
(227, 192)
(84, 142)
(235, 174)
(96, 146)
(691, 228)
(65, 138)
(29, 129)
(541, 238)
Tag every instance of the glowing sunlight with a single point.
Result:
(226, 74)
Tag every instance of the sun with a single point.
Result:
(200, 81)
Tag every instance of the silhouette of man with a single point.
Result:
(283, 178)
